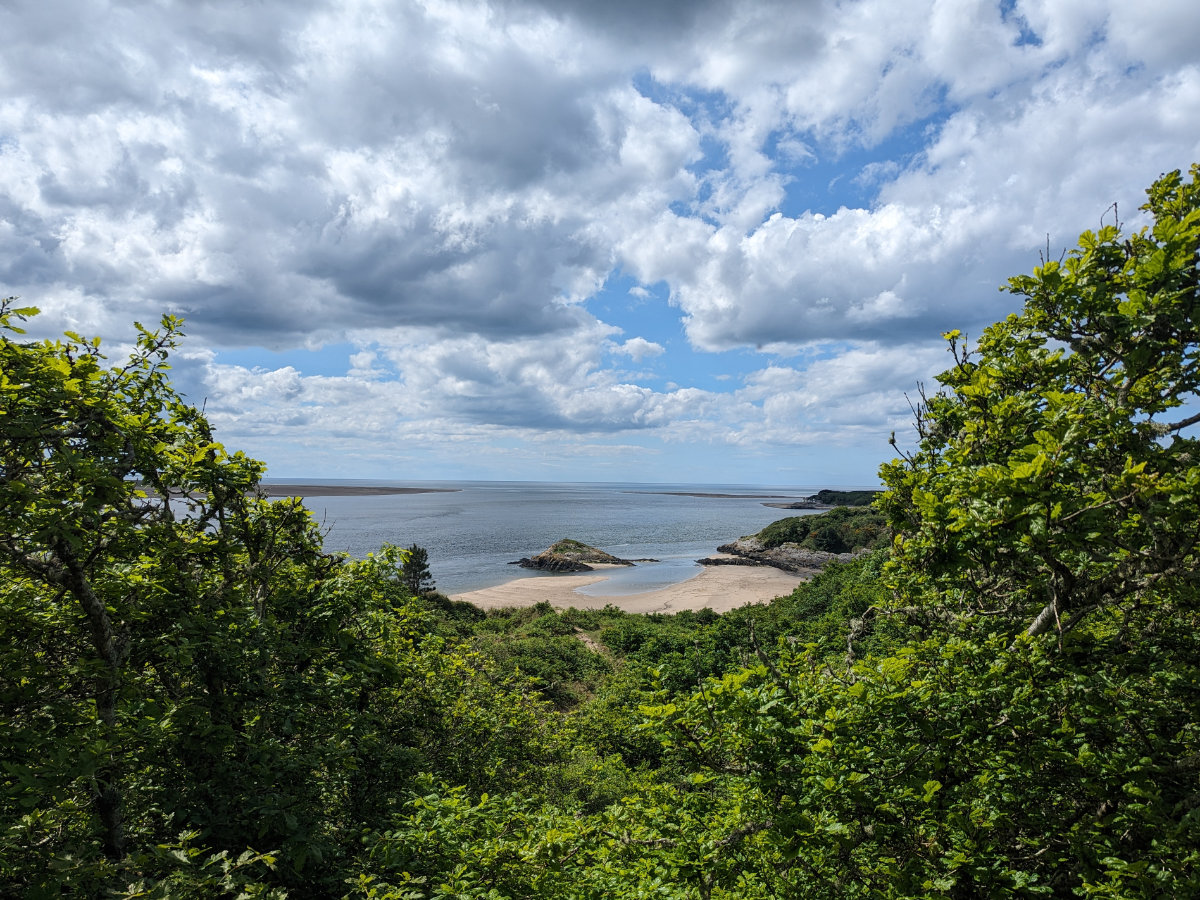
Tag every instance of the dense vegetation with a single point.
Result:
(841, 530)
(198, 702)
(845, 498)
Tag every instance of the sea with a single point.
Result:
(474, 530)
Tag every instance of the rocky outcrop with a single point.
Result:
(551, 562)
(749, 551)
(729, 561)
(570, 556)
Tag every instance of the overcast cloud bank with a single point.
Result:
(665, 241)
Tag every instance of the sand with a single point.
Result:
(719, 588)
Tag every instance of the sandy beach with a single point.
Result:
(719, 588)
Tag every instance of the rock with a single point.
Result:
(552, 562)
(729, 561)
(742, 546)
(789, 557)
(570, 556)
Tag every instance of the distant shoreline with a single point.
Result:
(344, 490)
(718, 496)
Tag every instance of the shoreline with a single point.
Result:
(719, 588)
(718, 496)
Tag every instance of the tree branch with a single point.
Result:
(1183, 423)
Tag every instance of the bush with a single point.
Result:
(840, 530)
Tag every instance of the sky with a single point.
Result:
(564, 240)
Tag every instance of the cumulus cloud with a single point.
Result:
(949, 224)
(481, 196)
(639, 349)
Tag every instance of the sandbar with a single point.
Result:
(719, 588)
(718, 496)
(343, 490)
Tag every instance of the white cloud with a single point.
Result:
(451, 186)
(639, 349)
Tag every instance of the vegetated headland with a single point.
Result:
(828, 499)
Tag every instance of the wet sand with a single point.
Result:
(719, 588)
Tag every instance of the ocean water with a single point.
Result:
(474, 531)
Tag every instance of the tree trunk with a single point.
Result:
(106, 794)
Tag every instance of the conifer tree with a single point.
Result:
(415, 571)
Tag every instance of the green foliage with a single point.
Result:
(452, 618)
(539, 644)
(182, 871)
(198, 702)
(570, 545)
(840, 530)
(178, 655)
(957, 769)
(1052, 482)
(1020, 720)
(559, 665)
(845, 498)
(1047, 496)
(414, 571)
(820, 612)
(448, 846)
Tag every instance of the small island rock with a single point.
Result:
(570, 556)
